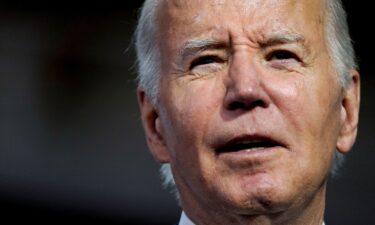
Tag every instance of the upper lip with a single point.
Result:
(246, 142)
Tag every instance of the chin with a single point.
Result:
(263, 196)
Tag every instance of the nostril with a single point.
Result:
(246, 105)
(236, 105)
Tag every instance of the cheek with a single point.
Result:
(294, 102)
(308, 103)
(189, 107)
(311, 110)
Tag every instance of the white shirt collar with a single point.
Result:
(186, 221)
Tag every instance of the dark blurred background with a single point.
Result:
(71, 143)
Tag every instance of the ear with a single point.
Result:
(153, 128)
(349, 114)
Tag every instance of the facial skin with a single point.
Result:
(250, 109)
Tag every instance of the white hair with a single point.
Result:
(147, 50)
(148, 60)
(342, 54)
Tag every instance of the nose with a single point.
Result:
(245, 89)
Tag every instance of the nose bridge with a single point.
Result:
(244, 87)
(244, 75)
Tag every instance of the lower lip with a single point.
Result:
(255, 154)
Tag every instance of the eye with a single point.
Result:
(204, 60)
(282, 55)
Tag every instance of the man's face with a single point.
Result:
(250, 108)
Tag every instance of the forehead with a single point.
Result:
(192, 8)
(182, 18)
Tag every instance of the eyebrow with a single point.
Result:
(195, 46)
(280, 38)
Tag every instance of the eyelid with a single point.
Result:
(296, 54)
(195, 62)
(292, 53)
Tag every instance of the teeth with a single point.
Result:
(250, 142)
(250, 150)
(247, 145)
(253, 149)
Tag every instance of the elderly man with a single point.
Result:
(248, 103)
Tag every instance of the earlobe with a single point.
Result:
(349, 114)
(153, 128)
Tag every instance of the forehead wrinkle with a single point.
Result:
(267, 32)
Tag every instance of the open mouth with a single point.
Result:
(247, 144)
